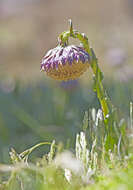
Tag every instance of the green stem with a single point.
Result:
(98, 86)
(98, 76)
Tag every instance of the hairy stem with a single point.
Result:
(98, 76)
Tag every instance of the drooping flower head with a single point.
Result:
(65, 63)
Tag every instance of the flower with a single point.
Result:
(116, 57)
(65, 63)
(69, 85)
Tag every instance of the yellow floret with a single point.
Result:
(67, 71)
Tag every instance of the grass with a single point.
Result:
(92, 164)
(30, 114)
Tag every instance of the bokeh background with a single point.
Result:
(35, 108)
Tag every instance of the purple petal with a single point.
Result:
(75, 48)
(61, 52)
(56, 64)
(63, 60)
(42, 67)
(48, 59)
(52, 65)
(76, 57)
(73, 56)
(48, 65)
(48, 54)
(69, 59)
(82, 50)
(82, 58)
(87, 58)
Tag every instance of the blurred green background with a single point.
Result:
(35, 108)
